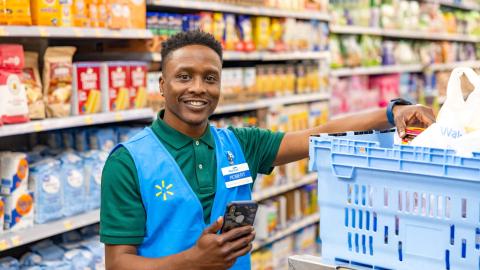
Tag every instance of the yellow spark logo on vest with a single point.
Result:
(164, 190)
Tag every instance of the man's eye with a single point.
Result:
(183, 77)
(211, 78)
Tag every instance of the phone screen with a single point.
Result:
(238, 214)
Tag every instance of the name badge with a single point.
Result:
(237, 175)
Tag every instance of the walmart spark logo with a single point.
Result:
(163, 191)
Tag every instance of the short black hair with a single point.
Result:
(195, 37)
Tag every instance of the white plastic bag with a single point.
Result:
(458, 122)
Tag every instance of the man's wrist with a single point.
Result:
(391, 108)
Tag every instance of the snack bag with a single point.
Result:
(45, 12)
(218, 27)
(33, 86)
(57, 80)
(13, 98)
(138, 84)
(86, 97)
(115, 86)
(261, 32)
(18, 12)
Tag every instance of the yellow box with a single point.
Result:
(18, 12)
(45, 12)
(138, 9)
(66, 14)
(261, 32)
(80, 14)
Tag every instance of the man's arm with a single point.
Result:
(294, 145)
(212, 251)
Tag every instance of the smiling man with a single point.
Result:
(163, 192)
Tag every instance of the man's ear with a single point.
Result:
(161, 82)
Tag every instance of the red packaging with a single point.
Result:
(87, 97)
(13, 97)
(11, 56)
(116, 86)
(138, 85)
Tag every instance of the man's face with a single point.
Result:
(191, 83)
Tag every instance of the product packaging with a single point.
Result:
(261, 33)
(138, 84)
(46, 12)
(9, 263)
(13, 172)
(2, 213)
(18, 12)
(33, 86)
(86, 97)
(73, 182)
(94, 161)
(80, 13)
(57, 80)
(102, 139)
(115, 86)
(119, 14)
(66, 13)
(138, 8)
(94, 15)
(13, 98)
(218, 28)
(45, 182)
(19, 208)
(245, 29)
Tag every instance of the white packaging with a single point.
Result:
(249, 79)
(19, 208)
(13, 172)
(2, 212)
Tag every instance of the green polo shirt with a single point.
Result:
(122, 215)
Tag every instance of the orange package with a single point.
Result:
(66, 13)
(118, 14)
(94, 16)
(138, 9)
(45, 12)
(3, 14)
(80, 13)
(18, 12)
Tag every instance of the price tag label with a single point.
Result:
(68, 224)
(37, 127)
(16, 241)
(3, 32)
(3, 245)
(118, 116)
(43, 32)
(78, 32)
(88, 120)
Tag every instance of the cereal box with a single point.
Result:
(46, 12)
(115, 86)
(18, 12)
(138, 84)
(86, 88)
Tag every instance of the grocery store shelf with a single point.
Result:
(264, 56)
(75, 121)
(274, 191)
(73, 32)
(305, 222)
(271, 102)
(250, 10)
(342, 72)
(10, 240)
(454, 4)
(360, 30)
(450, 66)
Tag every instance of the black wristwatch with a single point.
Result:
(393, 103)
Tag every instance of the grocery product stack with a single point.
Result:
(81, 82)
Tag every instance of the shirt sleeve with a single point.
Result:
(122, 215)
(260, 147)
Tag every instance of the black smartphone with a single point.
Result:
(238, 214)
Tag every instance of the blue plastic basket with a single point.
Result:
(384, 206)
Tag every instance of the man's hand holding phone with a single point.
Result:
(220, 251)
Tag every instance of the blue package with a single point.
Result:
(90, 231)
(79, 258)
(81, 140)
(9, 263)
(93, 165)
(54, 140)
(95, 247)
(125, 133)
(56, 265)
(48, 250)
(45, 181)
(35, 267)
(74, 189)
(102, 139)
(30, 259)
(68, 139)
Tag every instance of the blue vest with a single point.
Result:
(174, 213)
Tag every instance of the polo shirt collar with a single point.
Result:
(176, 139)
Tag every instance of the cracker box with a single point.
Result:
(87, 97)
(115, 86)
(19, 210)
(138, 84)
(14, 172)
(46, 12)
